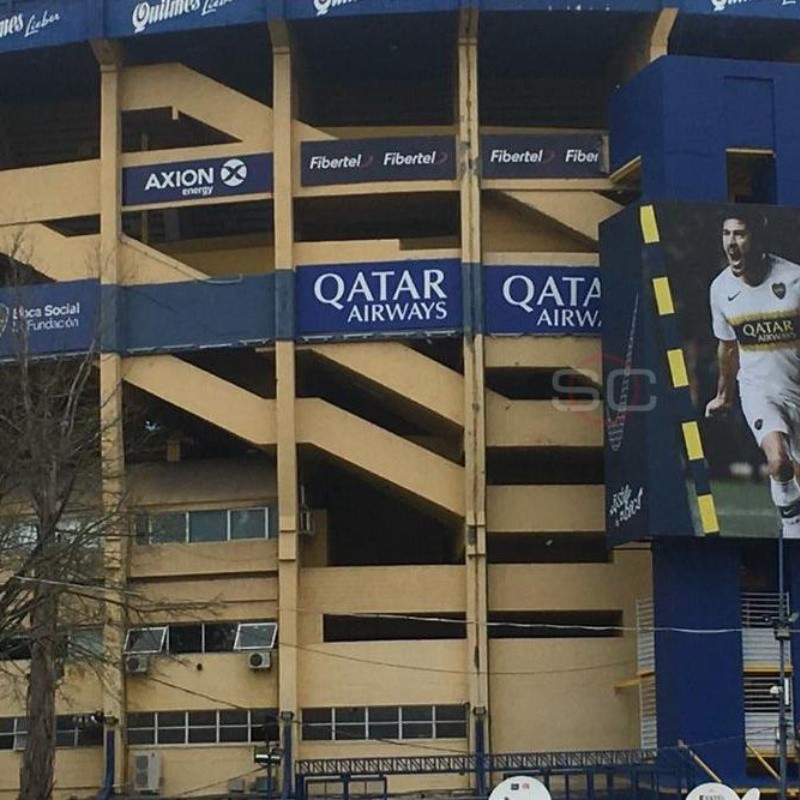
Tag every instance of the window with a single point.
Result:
(218, 525)
(13, 733)
(146, 640)
(83, 642)
(69, 733)
(255, 636)
(215, 726)
(197, 637)
(384, 722)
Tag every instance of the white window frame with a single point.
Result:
(244, 626)
(162, 628)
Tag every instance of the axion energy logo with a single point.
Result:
(410, 158)
(546, 156)
(382, 298)
(195, 180)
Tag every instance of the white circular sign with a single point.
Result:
(712, 791)
(520, 788)
(233, 172)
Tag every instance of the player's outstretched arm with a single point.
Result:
(728, 362)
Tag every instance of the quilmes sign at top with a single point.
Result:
(134, 17)
(545, 156)
(39, 25)
(381, 298)
(49, 318)
(196, 180)
(407, 158)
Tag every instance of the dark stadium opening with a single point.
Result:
(522, 466)
(160, 129)
(530, 383)
(157, 431)
(564, 80)
(751, 176)
(548, 548)
(393, 627)
(588, 624)
(381, 70)
(239, 57)
(354, 392)
(204, 237)
(373, 524)
(50, 111)
(418, 220)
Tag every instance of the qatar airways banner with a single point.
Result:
(542, 300)
(401, 158)
(383, 298)
(542, 156)
(49, 318)
(197, 180)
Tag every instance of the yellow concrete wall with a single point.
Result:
(224, 680)
(79, 771)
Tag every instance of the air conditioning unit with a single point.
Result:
(137, 664)
(20, 741)
(236, 786)
(305, 522)
(147, 771)
(259, 659)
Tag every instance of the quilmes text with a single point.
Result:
(145, 13)
(385, 295)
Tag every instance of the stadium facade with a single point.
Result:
(346, 254)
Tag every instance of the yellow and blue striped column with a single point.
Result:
(655, 271)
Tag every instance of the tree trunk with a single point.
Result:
(38, 760)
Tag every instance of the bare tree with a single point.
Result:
(56, 518)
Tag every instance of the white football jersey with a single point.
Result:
(765, 321)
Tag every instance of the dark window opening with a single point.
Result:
(548, 548)
(432, 625)
(542, 384)
(751, 177)
(554, 624)
(522, 466)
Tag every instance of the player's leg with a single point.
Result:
(783, 484)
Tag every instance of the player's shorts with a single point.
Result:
(766, 414)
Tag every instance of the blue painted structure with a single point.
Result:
(680, 114)
(25, 25)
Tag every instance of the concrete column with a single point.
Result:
(109, 56)
(288, 555)
(474, 392)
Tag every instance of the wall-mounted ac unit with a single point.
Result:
(147, 771)
(236, 786)
(20, 741)
(137, 664)
(259, 659)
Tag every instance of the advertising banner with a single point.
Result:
(542, 156)
(190, 315)
(542, 300)
(197, 180)
(300, 9)
(718, 348)
(383, 298)
(49, 318)
(135, 17)
(28, 25)
(406, 158)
